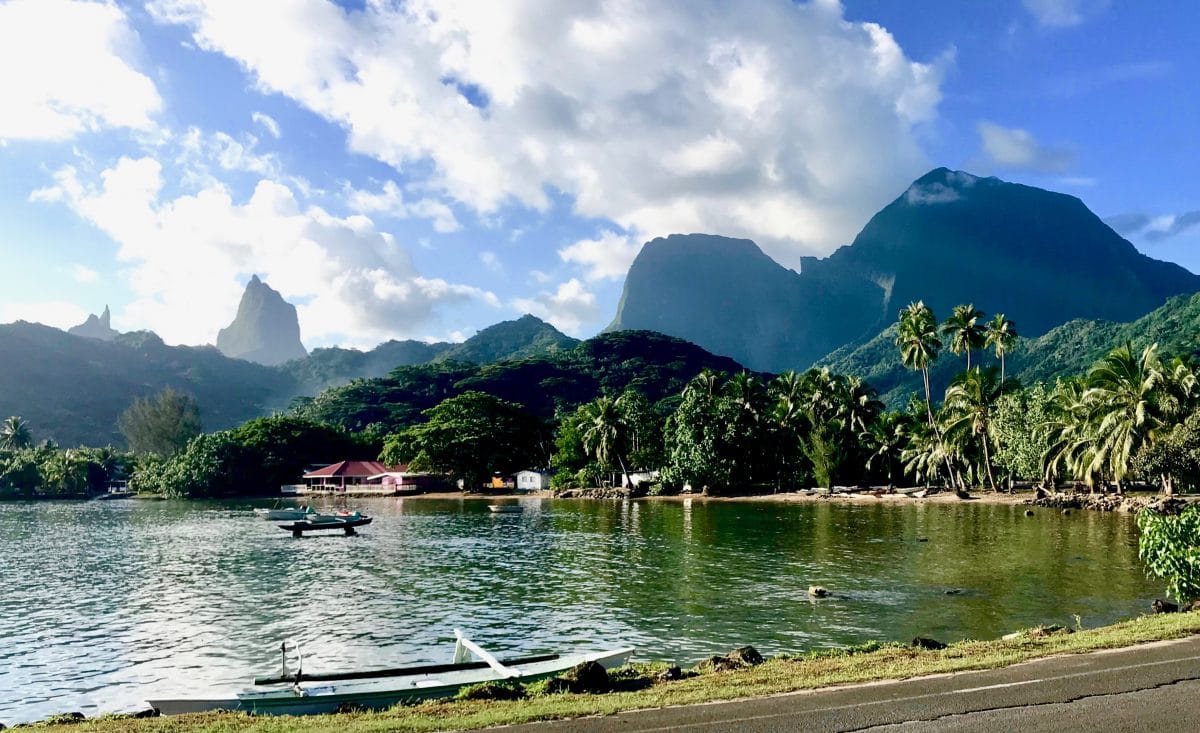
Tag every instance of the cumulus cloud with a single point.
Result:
(768, 119)
(189, 258)
(606, 257)
(267, 122)
(390, 200)
(568, 308)
(1011, 147)
(1153, 228)
(66, 70)
(1063, 13)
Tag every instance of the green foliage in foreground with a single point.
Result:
(48, 472)
(1170, 547)
(640, 687)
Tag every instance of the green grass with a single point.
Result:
(638, 687)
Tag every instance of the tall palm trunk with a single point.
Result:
(987, 463)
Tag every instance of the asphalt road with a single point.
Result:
(1154, 687)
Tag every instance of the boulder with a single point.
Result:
(1029, 512)
(747, 656)
(923, 642)
(1161, 606)
(670, 674)
(587, 677)
(817, 591)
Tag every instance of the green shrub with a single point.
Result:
(1170, 547)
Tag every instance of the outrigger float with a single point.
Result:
(307, 694)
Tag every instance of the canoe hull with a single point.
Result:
(378, 694)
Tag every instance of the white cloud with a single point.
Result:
(84, 274)
(1012, 147)
(491, 261)
(267, 122)
(1154, 228)
(606, 257)
(766, 118)
(197, 149)
(189, 258)
(390, 200)
(56, 313)
(1063, 13)
(568, 308)
(66, 70)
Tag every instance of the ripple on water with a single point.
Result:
(113, 602)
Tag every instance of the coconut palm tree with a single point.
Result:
(919, 345)
(885, 438)
(1125, 394)
(14, 434)
(1001, 336)
(964, 331)
(967, 414)
(605, 434)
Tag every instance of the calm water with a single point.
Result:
(107, 603)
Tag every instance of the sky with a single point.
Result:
(424, 169)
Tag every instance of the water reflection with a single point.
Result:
(107, 603)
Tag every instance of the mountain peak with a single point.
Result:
(1040, 257)
(95, 327)
(265, 330)
(524, 336)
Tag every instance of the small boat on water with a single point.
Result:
(315, 522)
(283, 514)
(505, 508)
(305, 694)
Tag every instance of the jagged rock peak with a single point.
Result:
(265, 330)
(96, 327)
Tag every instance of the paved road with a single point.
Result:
(1155, 687)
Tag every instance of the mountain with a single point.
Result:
(1042, 258)
(95, 327)
(332, 366)
(265, 330)
(1066, 350)
(73, 389)
(657, 365)
(526, 336)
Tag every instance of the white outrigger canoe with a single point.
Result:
(301, 694)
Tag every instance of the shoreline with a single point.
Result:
(648, 685)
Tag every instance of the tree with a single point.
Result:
(606, 435)
(967, 414)
(919, 345)
(14, 434)
(1001, 336)
(1170, 547)
(1017, 422)
(964, 331)
(1124, 394)
(471, 436)
(885, 439)
(696, 439)
(162, 424)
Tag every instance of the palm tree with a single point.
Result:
(919, 345)
(14, 434)
(1001, 336)
(964, 331)
(886, 438)
(967, 413)
(605, 433)
(1125, 394)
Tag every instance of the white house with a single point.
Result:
(533, 480)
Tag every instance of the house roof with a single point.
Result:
(353, 469)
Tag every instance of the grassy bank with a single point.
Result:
(638, 686)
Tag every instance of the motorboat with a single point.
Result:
(285, 514)
(300, 693)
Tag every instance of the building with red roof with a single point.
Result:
(368, 477)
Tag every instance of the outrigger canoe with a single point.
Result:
(319, 522)
(305, 694)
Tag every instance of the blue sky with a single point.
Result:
(423, 169)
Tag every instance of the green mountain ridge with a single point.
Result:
(72, 388)
(1040, 257)
(659, 366)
